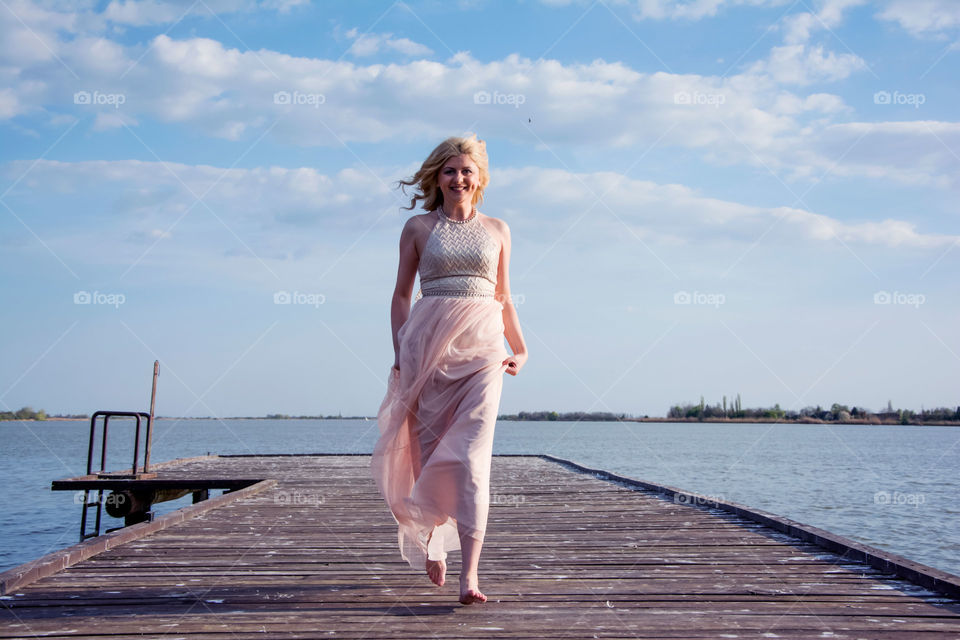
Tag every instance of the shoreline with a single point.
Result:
(865, 423)
(814, 421)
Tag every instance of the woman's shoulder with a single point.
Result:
(500, 226)
(427, 216)
(421, 222)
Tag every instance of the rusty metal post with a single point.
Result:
(93, 430)
(153, 400)
(103, 445)
(136, 447)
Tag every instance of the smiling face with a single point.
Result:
(459, 179)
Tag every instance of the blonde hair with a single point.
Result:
(425, 180)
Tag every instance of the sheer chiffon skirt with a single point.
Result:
(432, 459)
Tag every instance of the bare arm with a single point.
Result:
(403, 292)
(511, 322)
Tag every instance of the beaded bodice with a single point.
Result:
(460, 258)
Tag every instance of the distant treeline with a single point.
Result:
(27, 413)
(283, 416)
(836, 413)
(701, 411)
(572, 416)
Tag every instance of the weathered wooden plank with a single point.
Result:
(57, 561)
(465, 631)
(599, 616)
(566, 555)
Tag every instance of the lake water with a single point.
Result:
(895, 488)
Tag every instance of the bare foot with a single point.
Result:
(469, 591)
(436, 571)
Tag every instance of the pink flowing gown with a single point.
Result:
(432, 459)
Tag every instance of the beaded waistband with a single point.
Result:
(456, 293)
(458, 285)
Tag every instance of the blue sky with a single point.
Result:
(707, 197)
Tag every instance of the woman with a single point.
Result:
(432, 460)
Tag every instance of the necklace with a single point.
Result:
(473, 214)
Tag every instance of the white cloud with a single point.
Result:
(9, 105)
(888, 233)
(197, 57)
(831, 11)
(802, 65)
(791, 104)
(270, 207)
(149, 213)
(106, 120)
(691, 9)
(747, 119)
(671, 213)
(232, 94)
(283, 6)
(923, 16)
(368, 44)
(232, 130)
(797, 61)
(30, 35)
(97, 57)
(911, 153)
(798, 27)
(138, 13)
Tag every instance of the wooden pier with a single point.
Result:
(310, 552)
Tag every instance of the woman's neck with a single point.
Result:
(458, 211)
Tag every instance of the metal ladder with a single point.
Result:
(133, 473)
(134, 469)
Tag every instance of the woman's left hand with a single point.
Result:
(515, 362)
